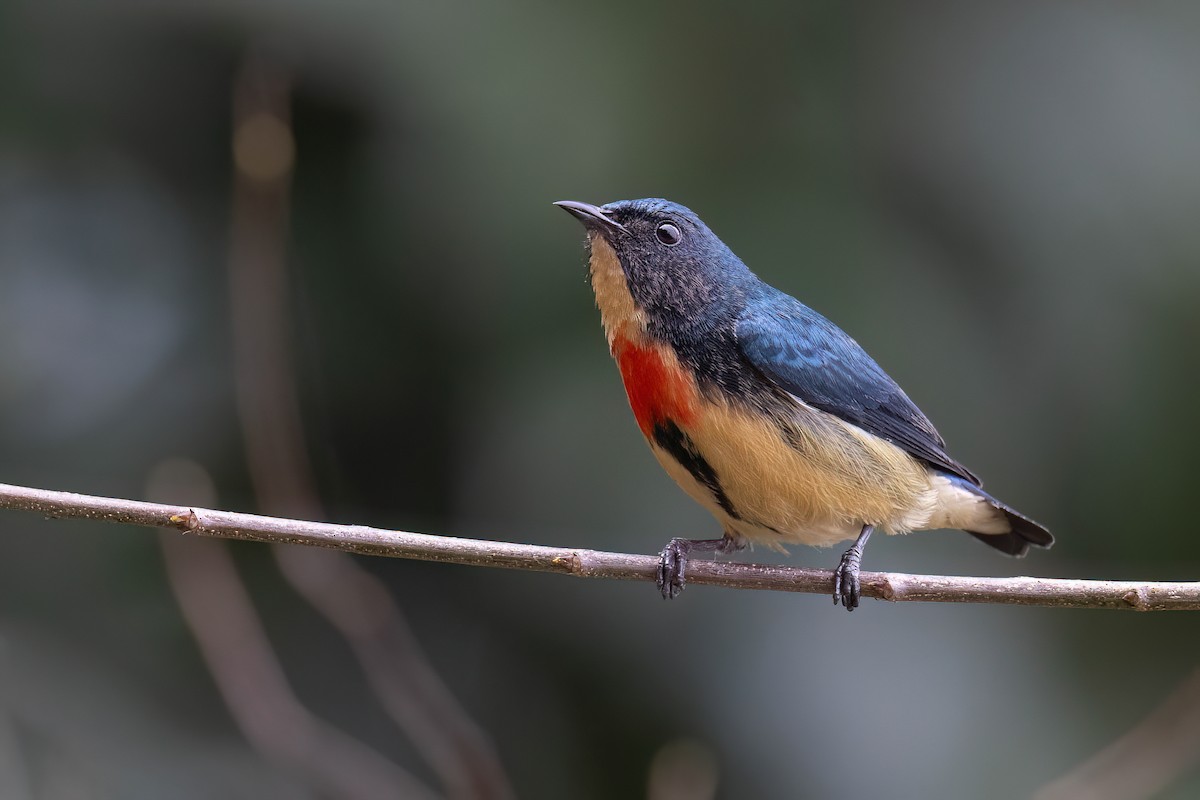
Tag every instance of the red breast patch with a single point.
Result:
(658, 387)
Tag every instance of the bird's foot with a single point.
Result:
(846, 586)
(672, 562)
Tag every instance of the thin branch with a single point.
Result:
(1146, 759)
(350, 598)
(256, 691)
(1057, 592)
(15, 764)
(263, 160)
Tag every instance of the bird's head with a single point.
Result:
(655, 263)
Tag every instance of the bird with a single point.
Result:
(765, 412)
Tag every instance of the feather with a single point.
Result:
(812, 359)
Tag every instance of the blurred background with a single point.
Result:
(300, 258)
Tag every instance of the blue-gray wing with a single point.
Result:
(809, 357)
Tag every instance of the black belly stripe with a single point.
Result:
(669, 437)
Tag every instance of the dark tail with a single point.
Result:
(1025, 532)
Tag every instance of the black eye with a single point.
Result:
(668, 234)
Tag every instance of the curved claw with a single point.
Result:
(846, 586)
(672, 562)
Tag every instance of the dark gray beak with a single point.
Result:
(592, 217)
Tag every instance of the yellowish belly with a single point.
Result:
(818, 484)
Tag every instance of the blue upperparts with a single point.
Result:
(810, 357)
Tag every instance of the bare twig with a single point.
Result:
(15, 779)
(1056, 592)
(228, 631)
(353, 600)
(1143, 761)
(211, 595)
(362, 610)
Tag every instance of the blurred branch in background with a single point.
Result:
(1146, 759)
(353, 600)
(15, 780)
(682, 769)
(252, 682)
(1051, 592)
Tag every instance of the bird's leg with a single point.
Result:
(672, 562)
(846, 587)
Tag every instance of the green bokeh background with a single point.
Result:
(999, 201)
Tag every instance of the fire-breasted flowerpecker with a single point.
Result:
(765, 412)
